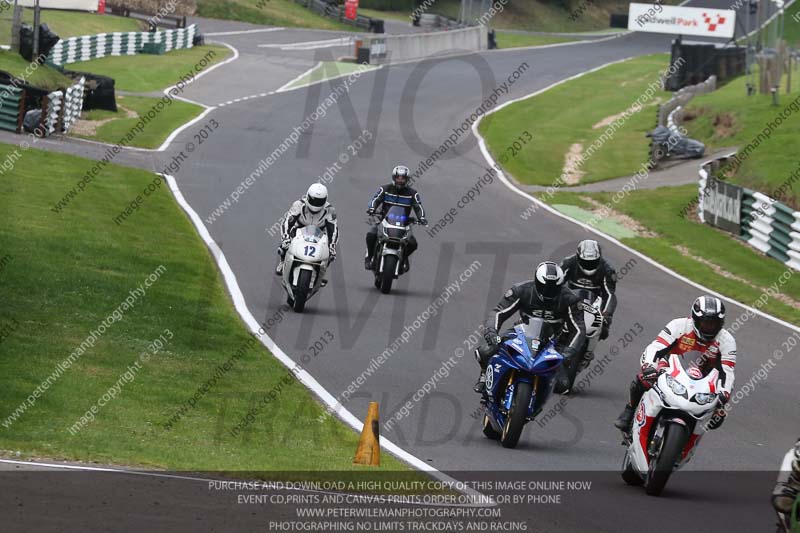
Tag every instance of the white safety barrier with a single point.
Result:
(394, 48)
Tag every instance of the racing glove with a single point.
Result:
(717, 420)
(491, 337)
(423, 221)
(371, 211)
(649, 374)
(331, 252)
(723, 397)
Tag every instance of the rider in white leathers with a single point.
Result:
(313, 209)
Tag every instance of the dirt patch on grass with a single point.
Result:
(684, 251)
(635, 108)
(724, 125)
(88, 128)
(602, 212)
(572, 162)
(691, 113)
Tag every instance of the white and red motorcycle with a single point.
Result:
(304, 266)
(670, 420)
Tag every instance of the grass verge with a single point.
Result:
(110, 127)
(69, 271)
(754, 271)
(71, 23)
(577, 113)
(39, 76)
(269, 12)
(727, 117)
(147, 73)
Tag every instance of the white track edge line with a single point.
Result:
(302, 375)
(152, 473)
(513, 187)
(242, 32)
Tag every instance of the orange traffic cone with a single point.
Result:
(369, 446)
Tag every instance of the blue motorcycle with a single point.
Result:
(519, 379)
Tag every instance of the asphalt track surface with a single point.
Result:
(409, 109)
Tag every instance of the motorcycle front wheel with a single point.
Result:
(516, 415)
(387, 276)
(661, 466)
(301, 291)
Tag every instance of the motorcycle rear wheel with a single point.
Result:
(661, 467)
(516, 415)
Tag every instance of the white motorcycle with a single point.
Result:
(670, 420)
(304, 265)
(593, 319)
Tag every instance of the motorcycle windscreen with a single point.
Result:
(696, 364)
(312, 234)
(398, 215)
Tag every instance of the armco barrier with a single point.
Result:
(766, 224)
(12, 107)
(392, 48)
(88, 47)
(682, 97)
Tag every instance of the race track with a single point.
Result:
(409, 109)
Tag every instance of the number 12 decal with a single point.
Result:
(310, 251)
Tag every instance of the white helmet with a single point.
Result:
(589, 255)
(316, 197)
(549, 280)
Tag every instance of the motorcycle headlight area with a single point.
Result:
(676, 387)
(703, 398)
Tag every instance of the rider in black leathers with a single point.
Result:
(396, 193)
(544, 297)
(588, 269)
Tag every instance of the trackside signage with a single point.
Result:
(676, 20)
(722, 205)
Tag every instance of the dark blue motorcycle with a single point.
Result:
(519, 379)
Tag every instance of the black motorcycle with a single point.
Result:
(389, 259)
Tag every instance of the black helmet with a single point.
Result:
(549, 279)
(400, 175)
(708, 315)
(589, 256)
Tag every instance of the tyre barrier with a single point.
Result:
(12, 108)
(766, 224)
(88, 47)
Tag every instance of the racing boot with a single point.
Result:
(625, 419)
(480, 385)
